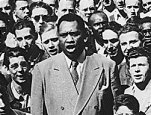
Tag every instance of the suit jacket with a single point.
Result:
(53, 86)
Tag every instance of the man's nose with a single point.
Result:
(40, 20)
(137, 69)
(26, 10)
(51, 45)
(69, 38)
(128, 47)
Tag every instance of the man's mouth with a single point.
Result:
(70, 48)
(52, 51)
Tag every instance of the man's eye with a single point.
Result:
(19, 39)
(135, 7)
(75, 33)
(129, 7)
(46, 42)
(123, 44)
(54, 39)
(105, 41)
(86, 9)
(113, 40)
(28, 37)
(64, 35)
(133, 65)
(64, 10)
(14, 66)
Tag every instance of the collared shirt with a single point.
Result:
(79, 66)
(26, 102)
(143, 96)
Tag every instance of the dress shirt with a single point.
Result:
(26, 98)
(143, 97)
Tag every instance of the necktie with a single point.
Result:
(74, 72)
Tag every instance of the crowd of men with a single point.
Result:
(75, 57)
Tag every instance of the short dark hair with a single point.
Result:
(128, 28)
(94, 13)
(13, 52)
(41, 5)
(13, 3)
(138, 52)
(126, 100)
(72, 17)
(114, 26)
(145, 20)
(23, 24)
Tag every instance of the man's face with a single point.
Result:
(146, 30)
(5, 7)
(124, 110)
(111, 42)
(132, 8)
(147, 5)
(51, 3)
(65, 7)
(119, 4)
(4, 104)
(18, 68)
(98, 22)
(129, 40)
(50, 41)
(24, 38)
(21, 9)
(86, 8)
(71, 39)
(139, 68)
(2, 28)
(39, 18)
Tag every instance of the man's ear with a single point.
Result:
(56, 12)
(86, 35)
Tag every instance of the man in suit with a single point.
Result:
(88, 90)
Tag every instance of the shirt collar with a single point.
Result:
(80, 59)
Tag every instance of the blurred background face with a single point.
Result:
(51, 3)
(86, 8)
(5, 6)
(146, 30)
(128, 41)
(65, 7)
(50, 40)
(132, 8)
(111, 42)
(98, 22)
(147, 5)
(139, 68)
(18, 68)
(21, 10)
(24, 38)
(124, 110)
(119, 4)
(39, 17)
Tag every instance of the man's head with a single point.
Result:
(16, 62)
(50, 41)
(72, 35)
(40, 13)
(126, 104)
(147, 5)
(4, 101)
(110, 38)
(86, 8)
(25, 33)
(119, 4)
(6, 6)
(65, 7)
(21, 9)
(139, 62)
(97, 21)
(133, 8)
(129, 37)
(146, 28)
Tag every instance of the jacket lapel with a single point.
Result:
(92, 74)
(61, 69)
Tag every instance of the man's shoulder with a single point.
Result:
(102, 59)
(49, 61)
